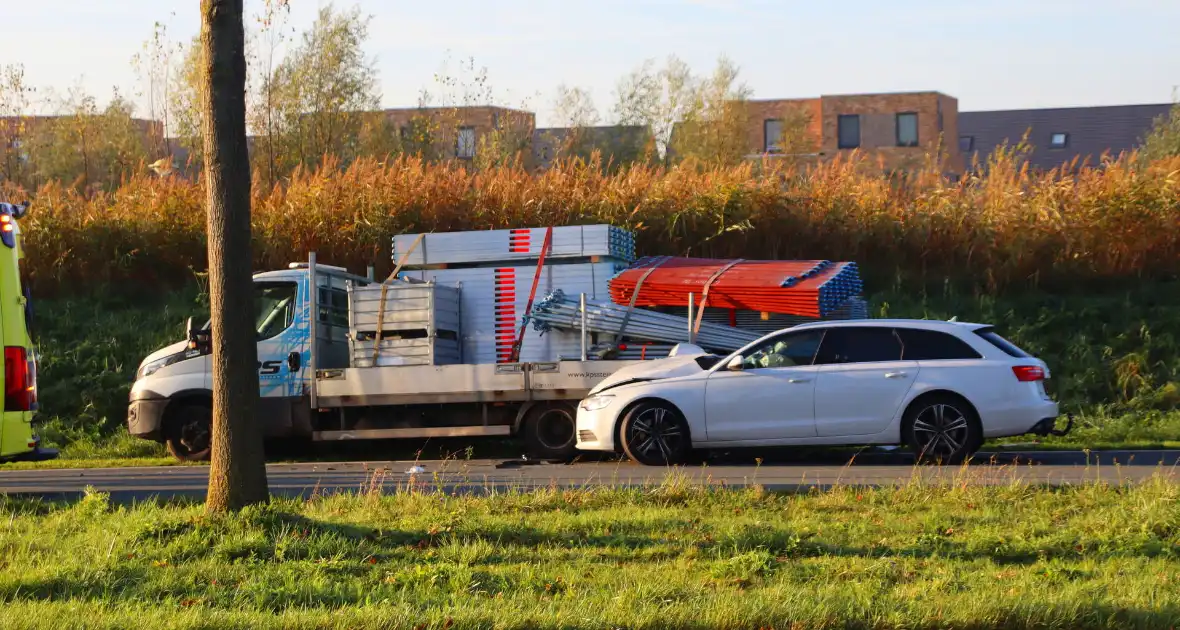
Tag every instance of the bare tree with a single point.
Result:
(700, 117)
(155, 64)
(237, 475)
(263, 110)
(446, 111)
(574, 111)
(14, 105)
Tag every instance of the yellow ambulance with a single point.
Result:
(17, 440)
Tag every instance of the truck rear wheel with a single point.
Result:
(190, 432)
(550, 431)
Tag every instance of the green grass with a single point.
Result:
(673, 556)
(90, 348)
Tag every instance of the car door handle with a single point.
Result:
(895, 375)
(798, 380)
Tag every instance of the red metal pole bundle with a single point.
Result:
(806, 288)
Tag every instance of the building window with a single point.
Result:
(907, 129)
(848, 131)
(1058, 140)
(465, 143)
(772, 136)
(966, 144)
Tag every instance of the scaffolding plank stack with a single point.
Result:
(497, 247)
(494, 299)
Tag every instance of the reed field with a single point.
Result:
(1078, 268)
(1006, 231)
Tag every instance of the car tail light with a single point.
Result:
(1028, 373)
(20, 380)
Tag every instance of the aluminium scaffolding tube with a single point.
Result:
(557, 312)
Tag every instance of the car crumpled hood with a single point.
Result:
(656, 369)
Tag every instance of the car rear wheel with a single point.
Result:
(942, 429)
(190, 433)
(550, 431)
(655, 434)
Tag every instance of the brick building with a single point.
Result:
(457, 132)
(901, 129)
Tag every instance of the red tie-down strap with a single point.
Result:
(528, 309)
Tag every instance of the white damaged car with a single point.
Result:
(940, 388)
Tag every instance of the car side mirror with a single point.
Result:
(735, 364)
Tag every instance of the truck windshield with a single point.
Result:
(274, 308)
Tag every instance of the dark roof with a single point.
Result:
(1091, 131)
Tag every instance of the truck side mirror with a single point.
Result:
(188, 329)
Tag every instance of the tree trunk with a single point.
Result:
(237, 474)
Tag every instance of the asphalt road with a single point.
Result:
(483, 475)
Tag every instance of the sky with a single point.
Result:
(990, 54)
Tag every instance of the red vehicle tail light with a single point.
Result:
(1028, 373)
(20, 380)
(6, 230)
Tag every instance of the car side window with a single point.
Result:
(869, 344)
(789, 350)
(932, 345)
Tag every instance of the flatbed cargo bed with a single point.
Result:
(462, 383)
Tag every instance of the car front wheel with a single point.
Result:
(942, 429)
(655, 434)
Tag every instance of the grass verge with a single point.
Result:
(673, 556)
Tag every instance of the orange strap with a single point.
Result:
(384, 292)
(635, 294)
(696, 328)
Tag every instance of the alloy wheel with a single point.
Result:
(941, 430)
(656, 434)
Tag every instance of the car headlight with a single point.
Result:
(155, 366)
(596, 402)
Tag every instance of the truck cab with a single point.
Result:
(17, 438)
(171, 399)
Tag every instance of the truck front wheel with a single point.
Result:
(189, 432)
(550, 431)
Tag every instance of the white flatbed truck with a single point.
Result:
(318, 382)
